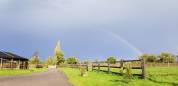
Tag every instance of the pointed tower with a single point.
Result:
(58, 48)
(59, 55)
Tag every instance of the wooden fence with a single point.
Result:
(120, 64)
(161, 64)
(135, 64)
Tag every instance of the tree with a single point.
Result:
(72, 60)
(60, 58)
(59, 54)
(49, 61)
(149, 57)
(35, 59)
(111, 60)
(167, 57)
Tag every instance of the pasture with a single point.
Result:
(156, 76)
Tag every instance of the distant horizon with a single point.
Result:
(91, 59)
(89, 29)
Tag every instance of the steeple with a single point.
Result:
(58, 47)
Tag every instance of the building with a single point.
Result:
(13, 61)
(57, 48)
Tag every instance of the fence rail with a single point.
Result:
(79, 65)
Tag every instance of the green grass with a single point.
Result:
(156, 77)
(15, 72)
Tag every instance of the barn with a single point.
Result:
(10, 60)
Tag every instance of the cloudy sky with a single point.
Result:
(89, 29)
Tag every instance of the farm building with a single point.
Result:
(13, 61)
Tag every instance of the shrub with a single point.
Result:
(149, 57)
(111, 60)
(83, 72)
(167, 58)
(126, 71)
(72, 60)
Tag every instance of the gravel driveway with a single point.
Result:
(51, 78)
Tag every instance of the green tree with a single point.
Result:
(167, 57)
(149, 57)
(35, 60)
(60, 58)
(49, 61)
(72, 60)
(59, 54)
(111, 60)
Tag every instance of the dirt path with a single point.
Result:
(50, 78)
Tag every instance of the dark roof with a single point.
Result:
(9, 55)
(3, 55)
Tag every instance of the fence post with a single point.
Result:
(143, 68)
(87, 66)
(1, 63)
(98, 66)
(92, 66)
(108, 67)
(80, 65)
(121, 63)
(121, 66)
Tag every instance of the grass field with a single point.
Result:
(156, 77)
(14, 72)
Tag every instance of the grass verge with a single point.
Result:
(156, 77)
(15, 72)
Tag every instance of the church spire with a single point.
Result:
(58, 47)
